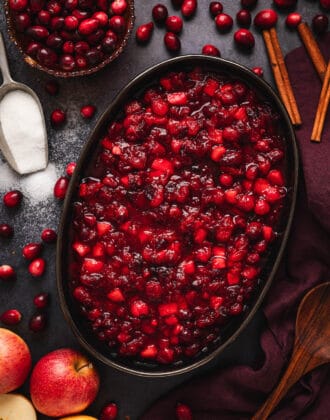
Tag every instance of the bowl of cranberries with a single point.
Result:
(177, 216)
(68, 38)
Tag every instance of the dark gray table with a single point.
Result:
(132, 394)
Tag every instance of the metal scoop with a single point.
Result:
(38, 150)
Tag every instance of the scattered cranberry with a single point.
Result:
(159, 13)
(41, 300)
(320, 24)
(87, 111)
(12, 198)
(243, 17)
(293, 20)
(210, 49)
(6, 231)
(32, 250)
(259, 71)
(70, 167)
(109, 412)
(7, 272)
(249, 4)
(52, 87)
(11, 317)
(58, 117)
(285, 3)
(18, 5)
(215, 8)
(37, 267)
(174, 24)
(38, 322)
(61, 187)
(144, 32)
(265, 19)
(325, 4)
(183, 412)
(172, 42)
(188, 8)
(223, 22)
(49, 235)
(244, 38)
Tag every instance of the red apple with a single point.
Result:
(15, 361)
(63, 382)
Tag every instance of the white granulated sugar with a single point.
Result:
(35, 187)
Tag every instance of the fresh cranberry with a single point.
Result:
(6, 231)
(68, 47)
(285, 3)
(320, 24)
(58, 117)
(248, 4)
(188, 8)
(44, 17)
(293, 20)
(210, 49)
(265, 19)
(325, 4)
(32, 250)
(41, 300)
(109, 42)
(223, 22)
(11, 317)
(159, 13)
(52, 87)
(144, 32)
(37, 267)
(7, 272)
(215, 8)
(88, 111)
(71, 4)
(172, 42)
(12, 198)
(243, 17)
(259, 71)
(109, 412)
(22, 22)
(117, 24)
(174, 24)
(119, 7)
(244, 38)
(49, 235)
(38, 32)
(38, 322)
(70, 167)
(183, 412)
(61, 187)
(71, 23)
(18, 5)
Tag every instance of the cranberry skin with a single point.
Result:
(32, 250)
(61, 187)
(6, 231)
(174, 24)
(325, 4)
(7, 272)
(265, 19)
(283, 4)
(249, 4)
(37, 267)
(117, 24)
(41, 300)
(243, 18)
(188, 8)
(38, 322)
(293, 20)
(183, 412)
(109, 412)
(49, 236)
(119, 7)
(87, 111)
(18, 5)
(223, 22)
(109, 43)
(11, 317)
(172, 42)
(215, 8)
(320, 24)
(58, 117)
(12, 198)
(258, 71)
(210, 49)
(52, 87)
(22, 22)
(144, 32)
(159, 13)
(244, 38)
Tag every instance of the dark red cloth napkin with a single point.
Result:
(237, 392)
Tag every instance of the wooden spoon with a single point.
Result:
(311, 347)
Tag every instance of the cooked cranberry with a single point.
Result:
(87, 111)
(61, 187)
(285, 3)
(12, 198)
(223, 22)
(32, 250)
(244, 38)
(117, 24)
(159, 13)
(259, 71)
(119, 7)
(7, 272)
(183, 412)
(320, 24)
(41, 300)
(243, 17)
(293, 20)
(58, 117)
(6, 231)
(109, 412)
(188, 8)
(18, 5)
(22, 22)
(38, 322)
(174, 24)
(215, 8)
(265, 19)
(11, 317)
(52, 87)
(144, 32)
(248, 4)
(210, 49)
(172, 42)
(49, 235)
(325, 4)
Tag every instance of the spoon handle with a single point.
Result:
(4, 63)
(301, 363)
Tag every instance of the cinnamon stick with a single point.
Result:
(313, 49)
(280, 60)
(277, 73)
(322, 107)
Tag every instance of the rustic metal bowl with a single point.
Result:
(18, 40)
(232, 329)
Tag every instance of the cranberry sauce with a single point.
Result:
(175, 216)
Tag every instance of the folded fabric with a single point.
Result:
(237, 392)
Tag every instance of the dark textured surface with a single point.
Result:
(131, 393)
